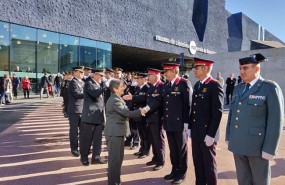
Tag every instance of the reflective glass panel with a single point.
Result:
(4, 48)
(87, 53)
(68, 53)
(104, 55)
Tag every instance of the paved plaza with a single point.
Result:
(34, 149)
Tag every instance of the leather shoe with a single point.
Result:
(98, 161)
(169, 176)
(137, 153)
(85, 163)
(177, 181)
(157, 167)
(134, 147)
(141, 156)
(150, 163)
(128, 144)
(75, 153)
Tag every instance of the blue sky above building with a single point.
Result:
(269, 14)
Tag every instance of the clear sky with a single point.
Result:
(269, 14)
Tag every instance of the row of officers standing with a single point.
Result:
(253, 129)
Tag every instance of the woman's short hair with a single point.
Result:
(115, 83)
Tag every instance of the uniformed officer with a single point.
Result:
(177, 97)
(139, 101)
(68, 78)
(205, 117)
(75, 106)
(93, 118)
(255, 123)
(154, 111)
(87, 72)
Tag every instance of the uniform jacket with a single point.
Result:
(207, 109)
(117, 114)
(75, 96)
(93, 107)
(139, 99)
(154, 101)
(255, 119)
(176, 104)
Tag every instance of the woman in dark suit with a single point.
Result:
(117, 127)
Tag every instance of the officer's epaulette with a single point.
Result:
(271, 82)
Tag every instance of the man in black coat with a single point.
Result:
(44, 85)
(176, 95)
(93, 118)
(75, 106)
(139, 101)
(231, 82)
(205, 117)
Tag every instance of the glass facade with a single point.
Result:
(27, 51)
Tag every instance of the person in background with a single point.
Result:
(220, 79)
(26, 86)
(44, 85)
(16, 83)
(8, 88)
(231, 82)
(18, 69)
(255, 123)
(2, 92)
(57, 83)
(239, 80)
(87, 72)
(29, 70)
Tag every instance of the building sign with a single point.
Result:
(191, 46)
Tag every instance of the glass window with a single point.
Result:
(87, 53)
(68, 54)
(47, 56)
(104, 55)
(23, 51)
(4, 48)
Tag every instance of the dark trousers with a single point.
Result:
(228, 96)
(26, 93)
(157, 142)
(133, 138)
(252, 170)
(90, 133)
(115, 146)
(15, 92)
(144, 137)
(177, 142)
(204, 163)
(74, 122)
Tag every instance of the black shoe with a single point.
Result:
(75, 153)
(150, 163)
(99, 161)
(141, 156)
(134, 147)
(169, 176)
(157, 167)
(137, 153)
(177, 180)
(85, 162)
(128, 144)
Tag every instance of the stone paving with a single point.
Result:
(35, 150)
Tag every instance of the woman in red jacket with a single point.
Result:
(26, 86)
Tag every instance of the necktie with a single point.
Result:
(169, 84)
(246, 89)
(199, 85)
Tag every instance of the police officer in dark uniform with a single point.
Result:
(139, 101)
(177, 95)
(205, 117)
(93, 118)
(154, 111)
(64, 92)
(75, 106)
(108, 78)
(87, 72)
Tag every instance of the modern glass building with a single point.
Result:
(27, 51)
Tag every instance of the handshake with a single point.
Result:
(144, 110)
